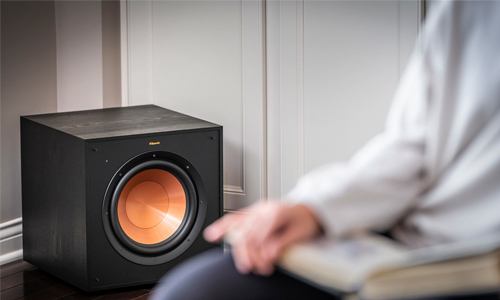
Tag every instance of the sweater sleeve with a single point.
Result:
(379, 184)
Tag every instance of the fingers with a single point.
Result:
(276, 246)
(264, 232)
(217, 230)
(272, 228)
(247, 250)
(298, 224)
(267, 222)
(244, 257)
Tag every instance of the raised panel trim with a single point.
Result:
(254, 110)
(300, 90)
(281, 174)
(124, 46)
(251, 185)
(235, 190)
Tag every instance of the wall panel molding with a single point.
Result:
(253, 120)
(315, 44)
(300, 90)
(140, 51)
(274, 99)
(285, 93)
(111, 54)
(206, 59)
(124, 45)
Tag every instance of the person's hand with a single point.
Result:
(264, 231)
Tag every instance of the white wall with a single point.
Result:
(28, 80)
(56, 56)
(79, 47)
(320, 91)
(206, 59)
(332, 69)
(294, 83)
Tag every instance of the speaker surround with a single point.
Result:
(117, 197)
(133, 234)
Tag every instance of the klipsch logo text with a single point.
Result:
(153, 143)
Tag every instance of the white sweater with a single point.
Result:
(433, 175)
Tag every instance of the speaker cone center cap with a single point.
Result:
(147, 204)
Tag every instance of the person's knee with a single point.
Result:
(212, 276)
(197, 278)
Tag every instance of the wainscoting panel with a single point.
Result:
(206, 59)
(332, 68)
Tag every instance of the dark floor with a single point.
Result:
(20, 280)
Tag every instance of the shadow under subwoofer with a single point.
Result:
(117, 197)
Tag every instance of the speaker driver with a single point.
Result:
(151, 208)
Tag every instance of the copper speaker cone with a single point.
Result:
(151, 206)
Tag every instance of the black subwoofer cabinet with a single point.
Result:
(116, 197)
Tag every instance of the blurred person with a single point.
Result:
(433, 175)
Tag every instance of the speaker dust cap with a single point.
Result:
(151, 206)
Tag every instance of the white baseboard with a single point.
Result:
(11, 241)
(11, 256)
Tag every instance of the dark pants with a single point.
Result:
(212, 276)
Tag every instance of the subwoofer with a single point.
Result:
(116, 197)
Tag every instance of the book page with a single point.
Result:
(342, 264)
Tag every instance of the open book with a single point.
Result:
(374, 267)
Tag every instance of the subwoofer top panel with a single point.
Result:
(120, 122)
